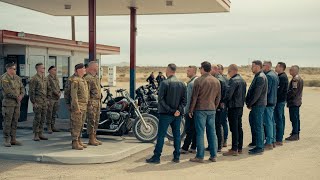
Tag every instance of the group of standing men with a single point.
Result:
(44, 94)
(82, 94)
(208, 99)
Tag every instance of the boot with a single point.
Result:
(49, 129)
(36, 137)
(42, 137)
(6, 142)
(54, 129)
(95, 137)
(81, 144)
(92, 140)
(15, 142)
(76, 145)
(293, 137)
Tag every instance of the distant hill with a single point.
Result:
(120, 64)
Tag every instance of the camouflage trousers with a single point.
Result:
(11, 115)
(40, 113)
(53, 106)
(93, 118)
(76, 124)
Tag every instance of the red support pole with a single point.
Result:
(92, 30)
(133, 33)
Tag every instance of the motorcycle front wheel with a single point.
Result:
(143, 134)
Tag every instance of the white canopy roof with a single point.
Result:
(120, 7)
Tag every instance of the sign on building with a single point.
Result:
(112, 75)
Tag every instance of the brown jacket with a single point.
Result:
(295, 91)
(206, 94)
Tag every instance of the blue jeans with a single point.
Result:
(206, 119)
(279, 119)
(269, 125)
(295, 119)
(164, 122)
(224, 123)
(256, 123)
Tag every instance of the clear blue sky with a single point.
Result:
(276, 30)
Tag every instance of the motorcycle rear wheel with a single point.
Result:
(146, 135)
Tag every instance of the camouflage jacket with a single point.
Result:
(12, 88)
(53, 89)
(67, 89)
(94, 88)
(38, 89)
(79, 94)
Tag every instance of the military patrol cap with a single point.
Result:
(79, 66)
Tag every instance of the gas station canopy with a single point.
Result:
(120, 7)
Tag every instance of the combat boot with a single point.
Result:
(95, 137)
(6, 142)
(81, 144)
(36, 137)
(76, 145)
(15, 142)
(92, 140)
(42, 137)
(54, 129)
(49, 129)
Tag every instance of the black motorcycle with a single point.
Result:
(122, 115)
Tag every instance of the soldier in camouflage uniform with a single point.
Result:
(13, 92)
(93, 113)
(38, 97)
(79, 100)
(1, 98)
(53, 95)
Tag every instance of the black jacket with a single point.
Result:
(223, 86)
(236, 92)
(283, 88)
(172, 96)
(257, 93)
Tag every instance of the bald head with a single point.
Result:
(214, 69)
(232, 70)
(93, 67)
(294, 70)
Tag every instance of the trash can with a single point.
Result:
(24, 101)
(24, 108)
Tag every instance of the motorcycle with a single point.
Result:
(122, 115)
(148, 103)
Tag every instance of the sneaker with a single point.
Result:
(193, 151)
(279, 143)
(182, 151)
(197, 160)
(213, 159)
(252, 145)
(231, 153)
(175, 160)
(153, 160)
(256, 151)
